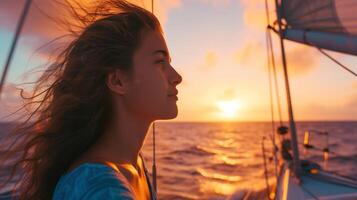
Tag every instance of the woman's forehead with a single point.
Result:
(154, 44)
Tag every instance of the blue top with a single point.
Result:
(94, 181)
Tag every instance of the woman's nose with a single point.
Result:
(176, 78)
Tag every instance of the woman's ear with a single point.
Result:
(117, 82)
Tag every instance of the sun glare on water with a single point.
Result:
(228, 108)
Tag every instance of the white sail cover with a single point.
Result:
(333, 22)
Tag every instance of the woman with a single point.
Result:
(105, 90)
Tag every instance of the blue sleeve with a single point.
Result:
(93, 182)
(108, 185)
(110, 193)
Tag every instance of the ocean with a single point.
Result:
(216, 160)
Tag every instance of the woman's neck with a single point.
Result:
(122, 141)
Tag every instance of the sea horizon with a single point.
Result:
(240, 121)
(214, 160)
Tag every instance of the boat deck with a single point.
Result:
(316, 185)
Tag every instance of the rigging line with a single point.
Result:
(267, 12)
(275, 78)
(271, 108)
(270, 47)
(14, 42)
(154, 159)
(337, 62)
(271, 92)
(269, 69)
(273, 29)
(265, 168)
(152, 6)
(270, 85)
(154, 176)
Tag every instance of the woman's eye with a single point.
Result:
(161, 62)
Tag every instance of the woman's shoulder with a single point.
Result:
(92, 181)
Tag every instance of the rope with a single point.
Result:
(154, 177)
(14, 42)
(154, 158)
(269, 71)
(265, 168)
(275, 78)
(337, 62)
(271, 64)
(272, 59)
(272, 110)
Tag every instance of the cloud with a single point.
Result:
(249, 52)
(255, 18)
(211, 58)
(42, 25)
(301, 59)
(164, 7)
(254, 13)
(346, 110)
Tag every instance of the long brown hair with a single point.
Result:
(73, 104)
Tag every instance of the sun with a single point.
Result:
(228, 108)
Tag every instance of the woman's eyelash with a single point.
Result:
(161, 61)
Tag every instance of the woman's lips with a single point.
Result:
(173, 96)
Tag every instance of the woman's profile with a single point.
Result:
(97, 102)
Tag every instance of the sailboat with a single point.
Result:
(325, 25)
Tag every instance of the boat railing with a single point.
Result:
(270, 191)
(308, 144)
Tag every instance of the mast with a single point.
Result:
(293, 133)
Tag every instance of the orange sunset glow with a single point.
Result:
(178, 99)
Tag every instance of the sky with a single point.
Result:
(218, 46)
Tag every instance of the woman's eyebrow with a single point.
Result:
(165, 53)
(162, 51)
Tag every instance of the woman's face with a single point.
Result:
(152, 93)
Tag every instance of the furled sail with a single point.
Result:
(328, 24)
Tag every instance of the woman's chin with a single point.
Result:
(172, 114)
